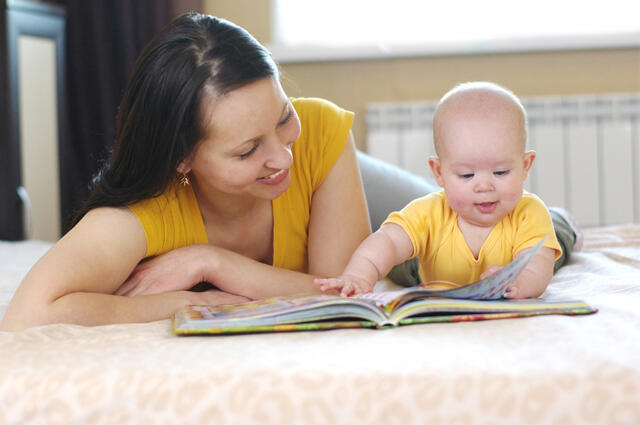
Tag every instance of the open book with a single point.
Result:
(427, 303)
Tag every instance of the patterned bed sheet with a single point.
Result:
(540, 370)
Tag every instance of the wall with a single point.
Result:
(353, 84)
(253, 15)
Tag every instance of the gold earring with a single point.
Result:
(184, 180)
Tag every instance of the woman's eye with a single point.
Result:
(287, 118)
(250, 151)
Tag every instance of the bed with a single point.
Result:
(539, 370)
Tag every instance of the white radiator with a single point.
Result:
(588, 150)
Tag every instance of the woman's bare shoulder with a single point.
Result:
(109, 229)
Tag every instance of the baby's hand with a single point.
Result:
(347, 285)
(489, 271)
(512, 292)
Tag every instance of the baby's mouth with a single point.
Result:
(486, 207)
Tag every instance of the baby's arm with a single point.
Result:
(533, 280)
(372, 260)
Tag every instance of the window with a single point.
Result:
(328, 29)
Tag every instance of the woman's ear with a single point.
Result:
(183, 167)
(436, 169)
(182, 170)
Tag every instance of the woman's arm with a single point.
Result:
(339, 218)
(338, 223)
(73, 281)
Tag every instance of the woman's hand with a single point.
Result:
(176, 270)
(215, 297)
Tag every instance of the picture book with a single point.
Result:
(426, 303)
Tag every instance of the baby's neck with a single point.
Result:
(474, 235)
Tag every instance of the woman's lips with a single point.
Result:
(276, 177)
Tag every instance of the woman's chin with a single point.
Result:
(275, 191)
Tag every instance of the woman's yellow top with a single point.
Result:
(173, 219)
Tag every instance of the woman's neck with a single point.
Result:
(226, 208)
(242, 225)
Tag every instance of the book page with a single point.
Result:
(278, 310)
(490, 288)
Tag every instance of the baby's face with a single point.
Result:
(483, 165)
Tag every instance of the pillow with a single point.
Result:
(389, 188)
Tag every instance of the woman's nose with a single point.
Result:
(280, 156)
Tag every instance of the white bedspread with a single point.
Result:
(539, 370)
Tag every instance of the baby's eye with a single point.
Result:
(501, 173)
(466, 176)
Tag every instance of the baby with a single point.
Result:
(481, 219)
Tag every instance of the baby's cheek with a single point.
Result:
(512, 198)
(456, 203)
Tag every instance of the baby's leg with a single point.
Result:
(568, 234)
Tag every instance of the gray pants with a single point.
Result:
(389, 188)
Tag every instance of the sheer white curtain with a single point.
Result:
(456, 24)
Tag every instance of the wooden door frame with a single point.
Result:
(38, 20)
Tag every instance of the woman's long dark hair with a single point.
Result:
(159, 121)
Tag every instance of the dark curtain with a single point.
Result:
(104, 38)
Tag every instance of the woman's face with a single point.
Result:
(247, 148)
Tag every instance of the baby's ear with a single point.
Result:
(436, 169)
(529, 157)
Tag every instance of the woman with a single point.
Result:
(218, 177)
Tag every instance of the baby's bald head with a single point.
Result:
(477, 100)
